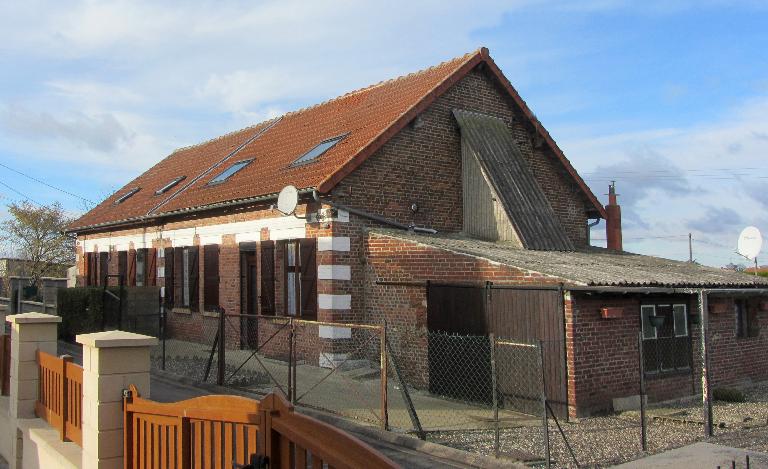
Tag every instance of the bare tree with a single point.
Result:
(36, 235)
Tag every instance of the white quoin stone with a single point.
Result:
(334, 332)
(326, 301)
(334, 272)
(333, 243)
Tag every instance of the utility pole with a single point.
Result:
(690, 248)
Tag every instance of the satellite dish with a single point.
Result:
(287, 200)
(750, 242)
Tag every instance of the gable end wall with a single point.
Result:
(422, 165)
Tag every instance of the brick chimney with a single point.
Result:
(613, 221)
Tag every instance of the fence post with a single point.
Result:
(544, 417)
(384, 366)
(494, 380)
(112, 361)
(706, 392)
(222, 348)
(643, 430)
(30, 332)
(291, 362)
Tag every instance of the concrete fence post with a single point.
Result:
(30, 332)
(112, 360)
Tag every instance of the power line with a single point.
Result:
(21, 194)
(46, 184)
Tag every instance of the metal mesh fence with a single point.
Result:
(258, 353)
(475, 393)
(188, 347)
(338, 369)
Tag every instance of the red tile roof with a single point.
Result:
(368, 117)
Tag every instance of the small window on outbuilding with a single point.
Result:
(127, 195)
(229, 172)
(170, 185)
(317, 150)
(746, 320)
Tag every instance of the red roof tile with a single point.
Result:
(368, 117)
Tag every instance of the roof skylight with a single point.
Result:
(127, 195)
(318, 150)
(227, 173)
(170, 185)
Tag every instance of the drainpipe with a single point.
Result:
(589, 230)
(372, 216)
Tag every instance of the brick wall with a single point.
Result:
(602, 354)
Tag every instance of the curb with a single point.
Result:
(431, 449)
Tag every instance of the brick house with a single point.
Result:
(417, 193)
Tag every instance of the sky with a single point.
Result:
(667, 98)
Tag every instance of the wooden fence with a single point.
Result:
(219, 432)
(60, 396)
(5, 364)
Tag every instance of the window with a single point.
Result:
(227, 173)
(317, 150)
(170, 185)
(746, 320)
(127, 195)
(300, 269)
(141, 267)
(185, 278)
(646, 311)
(666, 338)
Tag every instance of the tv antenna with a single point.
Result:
(750, 243)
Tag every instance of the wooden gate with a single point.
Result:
(223, 432)
(519, 314)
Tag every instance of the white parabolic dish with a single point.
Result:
(750, 242)
(287, 200)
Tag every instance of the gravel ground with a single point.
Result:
(596, 441)
(612, 439)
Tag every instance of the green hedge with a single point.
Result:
(82, 310)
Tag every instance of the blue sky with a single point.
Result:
(668, 98)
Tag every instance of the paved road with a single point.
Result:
(700, 456)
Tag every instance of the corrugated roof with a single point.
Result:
(368, 117)
(591, 266)
(523, 200)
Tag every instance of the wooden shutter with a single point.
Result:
(194, 278)
(90, 269)
(178, 276)
(122, 267)
(267, 277)
(103, 268)
(150, 260)
(169, 287)
(131, 268)
(211, 277)
(307, 251)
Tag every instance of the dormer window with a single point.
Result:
(317, 150)
(170, 185)
(127, 195)
(229, 172)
